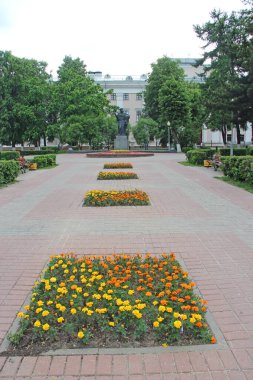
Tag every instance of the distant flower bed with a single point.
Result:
(117, 175)
(118, 165)
(102, 198)
(119, 150)
(110, 301)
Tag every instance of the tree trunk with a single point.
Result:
(44, 140)
(238, 133)
(224, 135)
(13, 143)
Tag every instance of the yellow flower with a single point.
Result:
(27, 307)
(73, 311)
(90, 312)
(192, 320)
(156, 324)
(64, 266)
(40, 303)
(45, 313)
(110, 291)
(21, 315)
(80, 334)
(155, 302)
(47, 287)
(49, 302)
(119, 302)
(89, 304)
(169, 309)
(62, 309)
(130, 292)
(177, 324)
(183, 317)
(86, 294)
(197, 316)
(52, 279)
(37, 323)
(46, 327)
(162, 308)
(111, 324)
(165, 345)
(160, 319)
(38, 310)
(96, 296)
(176, 315)
(60, 319)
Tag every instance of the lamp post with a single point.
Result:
(168, 124)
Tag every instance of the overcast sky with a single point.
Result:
(113, 36)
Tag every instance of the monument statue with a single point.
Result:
(122, 119)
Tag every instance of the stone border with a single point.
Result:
(220, 344)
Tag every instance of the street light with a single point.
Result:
(168, 135)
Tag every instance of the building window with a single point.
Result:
(139, 96)
(138, 114)
(113, 97)
(125, 96)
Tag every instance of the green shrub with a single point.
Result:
(250, 151)
(238, 168)
(185, 149)
(45, 161)
(35, 152)
(8, 171)
(236, 151)
(9, 155)
(197, 156)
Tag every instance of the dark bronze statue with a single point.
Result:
(122, 119)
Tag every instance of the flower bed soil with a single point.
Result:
(118, 165)
(112, 301)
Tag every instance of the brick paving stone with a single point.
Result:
(243, 359)
(11, 365)
(2, 361)
(228, 359)
(249, 374)
(88, 365)
(204, 376)
(42, 366)
(182, 362)
(198, 362)
(57, 366)
(135, 365)
(170, 376)
(104, 365)
(236, 375)
(167, 362)
(153, 376)
(187, 376)
(213, 361)
(219, 375)
(27, 366)
(73, 365)
(120, 366)
(151, 363)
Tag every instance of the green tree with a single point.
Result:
(23, 88)
(228, 47)
(82, 103)
(174, 106)
(145, 130)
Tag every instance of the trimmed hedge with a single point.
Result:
(236, 151)
(197, 156)
(9, 155)
(186, 149)
(8, 171)
(238, 168)
(45, 161)
(35, 152)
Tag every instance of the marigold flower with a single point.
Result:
(60, 319)
(80, 334)
(21, 315)
(178, 324)
(46, 327)
(38, 310)
(169, 309)
(111, 324)
(156, 324)
(52, 279)
(192, 320)
(162, 308)
(37, 323)
(73, 311)
(45, 313)
(40, 303)
(213, 340)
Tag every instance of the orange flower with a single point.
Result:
(213, 340)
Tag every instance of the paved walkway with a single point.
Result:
(207, 223)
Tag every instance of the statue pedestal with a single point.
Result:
(121, 142)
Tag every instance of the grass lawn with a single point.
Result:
(242, 185)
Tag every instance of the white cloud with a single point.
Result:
(112, 36)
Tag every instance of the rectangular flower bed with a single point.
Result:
(112, 301)
(117, 175)
(116, 198)
(118, 165)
